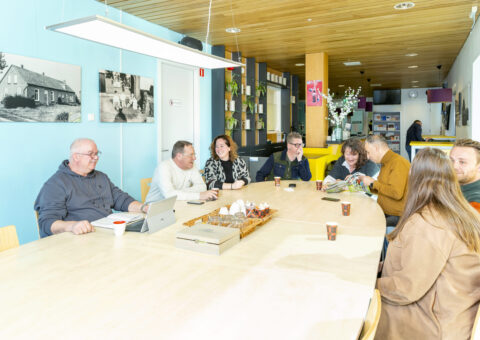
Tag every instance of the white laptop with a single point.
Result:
(160, 215)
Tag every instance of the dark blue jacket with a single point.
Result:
(278, 165)
(414, 134)
(67, 196)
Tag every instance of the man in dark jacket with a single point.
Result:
(414, 134)
(287, 164)
(78, 194)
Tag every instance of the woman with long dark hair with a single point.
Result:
(354, 159)
(430, 284)
(224, 169)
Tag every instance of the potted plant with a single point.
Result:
(261, 89)
(250, 104)
(230, 124)
(232, 85)
(260, 124)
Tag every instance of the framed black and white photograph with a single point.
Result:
(125, 98)
(37, 90)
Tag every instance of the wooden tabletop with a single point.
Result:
(284, 281)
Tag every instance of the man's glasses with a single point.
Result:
(91, 154)
(297, 145)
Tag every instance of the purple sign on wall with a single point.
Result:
(439, 96)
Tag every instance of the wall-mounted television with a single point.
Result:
(387, 97)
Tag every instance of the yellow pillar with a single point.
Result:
(316, 68)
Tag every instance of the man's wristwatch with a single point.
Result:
(142, 207)
(371, 186)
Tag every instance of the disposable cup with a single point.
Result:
(277, 181)
(319, 184)
(346, 208)
(332, 228)
(119, 227)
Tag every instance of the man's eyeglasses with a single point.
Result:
(91, 154)
(297, 145)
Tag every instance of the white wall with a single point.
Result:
(412, 109)
(460, 79)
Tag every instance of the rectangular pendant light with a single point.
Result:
(108, 32)
(439, 96)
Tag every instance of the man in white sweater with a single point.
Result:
(179, 176)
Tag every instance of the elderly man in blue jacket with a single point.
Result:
(287, 164)
(78, 194)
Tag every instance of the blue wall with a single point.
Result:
(31, 152)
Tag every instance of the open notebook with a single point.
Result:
(107, 222)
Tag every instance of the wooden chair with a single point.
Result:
(8, 237)
(475, 330)
(373, 316)
(145, 187)
(38, 225)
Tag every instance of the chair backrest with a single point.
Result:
(372, 318)
(145, 187)
(475, 330)
(36, 220)
(8, 237)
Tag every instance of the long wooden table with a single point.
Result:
(284, 281)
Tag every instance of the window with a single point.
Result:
(9, 79)
(37, 95)
(274, 109)
(19, 91)
(52, 96)
(15, 79)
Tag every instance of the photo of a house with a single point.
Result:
(35, 90)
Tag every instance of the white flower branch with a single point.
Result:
(346, 104)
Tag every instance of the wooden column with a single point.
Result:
(316, 68)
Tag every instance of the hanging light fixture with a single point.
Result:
(112, 33)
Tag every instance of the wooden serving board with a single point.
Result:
(248, 227)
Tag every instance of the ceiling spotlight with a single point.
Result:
(414, 81)
(411, 54)
(341, 85)
(309, 19)
(233, 30)
(414, 85)
(299, 64)
(352, 63)
(413, 66)
(404, 5)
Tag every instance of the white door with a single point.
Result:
(177, 107)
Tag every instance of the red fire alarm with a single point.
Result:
(202, 72)
(230, 68)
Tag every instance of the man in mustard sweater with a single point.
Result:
(391, 185)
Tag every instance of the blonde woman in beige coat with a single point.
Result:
(430, 284)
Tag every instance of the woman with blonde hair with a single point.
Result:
(430, 284)
(224, 169)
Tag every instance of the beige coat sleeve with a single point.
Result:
(412, 266)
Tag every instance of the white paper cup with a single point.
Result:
(119, 227)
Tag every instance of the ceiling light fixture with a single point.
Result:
(309, 19)
(341, 85)
(415, 86)
(413, 66)
(375, 85)
(109, 32)
(411, 54)
(352, 63)
(414, 81)
(233, 30)
(299, 64)
(404, 5)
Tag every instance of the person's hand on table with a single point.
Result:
(367, 180)
(238, 184)
(209, 195)
(81, 227)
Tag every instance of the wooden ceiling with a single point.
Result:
(281, 32)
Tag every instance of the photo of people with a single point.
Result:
(125, 98)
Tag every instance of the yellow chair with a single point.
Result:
(36, 220)
(145, 187)
(320, 158)
(373, 316)
(8, 237)
(475, 334)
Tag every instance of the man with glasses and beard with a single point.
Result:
(78, 194)
(287, 164)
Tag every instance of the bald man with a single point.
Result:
(78, 194)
